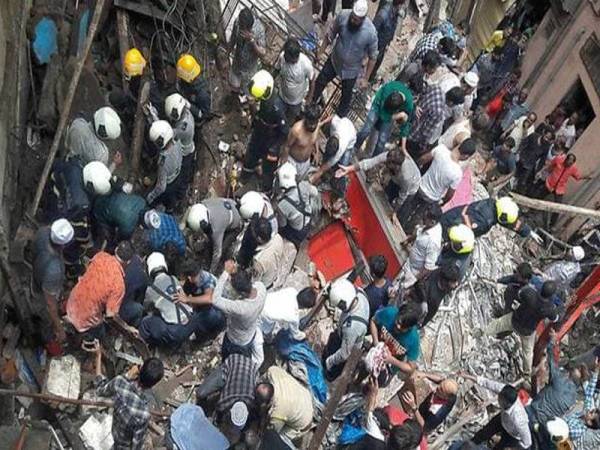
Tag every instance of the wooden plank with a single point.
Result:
(138, 130)
(145, 9)
(544, 205)
(123, 35)
(339, 390)
(64, 116)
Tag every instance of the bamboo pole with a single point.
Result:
(544, 205)
(64, 116)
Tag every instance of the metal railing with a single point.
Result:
(278, 20)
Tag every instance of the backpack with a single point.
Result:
(309, 203)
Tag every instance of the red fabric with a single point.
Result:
(398, 417)
(495, 105)
(559, 175)
(330, 250)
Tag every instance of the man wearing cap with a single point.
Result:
(469, 83)
(162, 229)
(355, 39)
(248, 44)
(48, 274)
(393, 104)
(565, 271)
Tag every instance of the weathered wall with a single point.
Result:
(551, 66)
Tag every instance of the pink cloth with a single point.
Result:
(464, 192)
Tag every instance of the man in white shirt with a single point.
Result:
(439, 182)
(520, 129)
(568, 130)
(462, 128)
(338, 150)
(425, 251)
(296, 79)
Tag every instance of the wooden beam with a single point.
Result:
(147, 10)
(339, 390)
(544, 205)
(123, 35)
(66, 112)
(138, 130)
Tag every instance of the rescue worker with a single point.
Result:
(116, 216)
(459, 249)
(215, 217)
(125, 101)
(176, 321)
(566, 270)
(269, 258)
(48, 276)
(352, 325)
(252, 203)
(192, 86)
(482, 215)
(177, 110)
(87, 140)
(170, 185)
(294, 205)
(269, 130)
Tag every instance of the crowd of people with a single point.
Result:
(115, 252)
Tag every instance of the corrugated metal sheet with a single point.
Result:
(486, 17)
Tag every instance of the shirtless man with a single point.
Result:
(302, 141)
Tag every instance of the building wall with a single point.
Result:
(550, 74)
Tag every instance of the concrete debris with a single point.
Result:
(96, 432)
(64, 377)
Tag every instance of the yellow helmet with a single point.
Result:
(507, 211)
(462, 239)
(261, 85)
(134, 63)
(188, 68)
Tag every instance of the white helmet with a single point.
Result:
(341, 294)
(156, 261)
(558, 430)
(107, 123)
(96, 177)
(174, 105)
(161, 133)
(197, 214)
(578, 253)
(251, 203)
(287, 175)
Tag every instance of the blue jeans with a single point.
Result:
(156, 332)
(372, 123)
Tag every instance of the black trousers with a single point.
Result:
(329, 7)
(412, 212)
(380, 56)
(263, 145)
(524, 177)
(333, 345)
(326, 76)
(492, 428)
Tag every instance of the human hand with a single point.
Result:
(372, 393)
(181, 297)
(91, 347)
(246, 35)
(230, 266)
(409, 399)
(343, 171)
(418, 112)
(536, 237)
(400, 117)
(552, 334)
(314, 178)
(362, 83)
(597, 364)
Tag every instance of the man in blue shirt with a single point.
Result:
(398, 330)
(386, 22)
(162, 229)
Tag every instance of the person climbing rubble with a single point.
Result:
(170, 186)
(217, 218)
(269, 131)
(86, 140)
(565, 271)
(352, 325)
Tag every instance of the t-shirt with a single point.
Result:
(100, 290)
(136, 280)
(382, 95)
(344, 130)
(281, 307)
(378, 296)
(294, 79)
(428, 291)
(48, 266)
(532, 149)
(385, 320)
(527, 316)
(443, 174)
(506, 162)
(426, 249)
(462, 126)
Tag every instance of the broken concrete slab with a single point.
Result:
(96, 432)
(64, 377)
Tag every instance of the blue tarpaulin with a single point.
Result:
(352, 429)
(44, 40)
(301, 352)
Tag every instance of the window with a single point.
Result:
(576, 100)
(590, 55)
